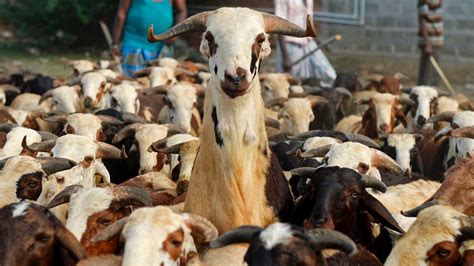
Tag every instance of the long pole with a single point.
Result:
(442, 75)
(325, 43)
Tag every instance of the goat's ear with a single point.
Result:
(379, 212)
(266, 49)
(301, 211)
(204, 47)
(400, 115)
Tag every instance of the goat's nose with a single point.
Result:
(384, 127)
(238, 77)
(421, 120)
(88, 102)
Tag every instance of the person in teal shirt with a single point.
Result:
(132, 21)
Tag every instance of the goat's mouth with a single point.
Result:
(234, 90)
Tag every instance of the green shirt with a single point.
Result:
(141, 14)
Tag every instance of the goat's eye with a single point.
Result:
(32, 184)
(176, 243)
(443, 252)
(354, 195)
(43, 238)
(105, 222)
(286, 116)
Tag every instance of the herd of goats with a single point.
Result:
(218, 164)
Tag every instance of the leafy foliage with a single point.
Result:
(46, 22)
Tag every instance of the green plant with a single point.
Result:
(58, 22)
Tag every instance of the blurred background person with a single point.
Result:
(431, 39)
(290, 49)
(131, 27)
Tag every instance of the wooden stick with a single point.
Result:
(326, 42)
(442, 75)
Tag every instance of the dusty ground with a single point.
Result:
(461, 75)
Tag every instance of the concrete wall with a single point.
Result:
(391, 28)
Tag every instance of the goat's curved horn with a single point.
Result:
(445, 116)
(44, 146)
(315, 100)
(47, 135)
(200, 226)
(354, 137)
(110, 120)
(293, 150)
(464, 132)
(56, 118)
(194, 23)
(162, 89)
(414, 212)
(382, 160)
(7, 127)
(156, 147)
(142, 72)
(135, 196)
(108, 151)
(344, 91)
(125, 132)
(277, 25)
(406, 90)
(277, 101)
(3, 162)
(64, 196)
(130, 118)
(311, 90)
(174, 129)
(111, 231)
(70, 243)
(330, 239)
(270, 122)
(46, 96)
(319, 133)
(372, 182)
(242, 234)
(11, 88)
(51, 165)
(304, 171)
(405, 101)
(113, 80)
(316, 152)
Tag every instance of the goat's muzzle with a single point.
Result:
(88, 101)
(235, 85)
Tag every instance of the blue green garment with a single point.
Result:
(135, 46)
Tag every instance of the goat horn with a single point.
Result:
(125, 132)
(111, 231)
(406, 90)
(11, 88)
(414, 212)
(464, 132)
(316, 152)
(51, 165)
(70, 243)
(110, 120)
(270, 122)
(400, 75)
(44, 146)
(135, 196)
(304, 171)
(162, 89)
(108, 151)
(293, 150)
(318, 133)
(197, 22)
(277, 101)
(56, 118)
(145, 71)
(130, 118)
(47, 135)
(113, 80)
(277, 25)
(242, 234)
(46, 96)
(405, 101)
(368, 181)
(354, 137)
(330, 239)
(157, 145)
(3, 162)
(315, 100)
(7, 127)
(64, 196)
(183, 71)
(201, 226)
(382, 160)
(344, 91)
(311, 90)
(168, 150)
(445, 116)
(174, 129)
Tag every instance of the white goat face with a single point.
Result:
(235, 42)
(66, 99)
(161, 75)
(124, 98)
(423, 96)
(296, 114)
(403, 145)
(384, 107)
(87, 125)
(275, 85)
(93, 89)
(180, 100)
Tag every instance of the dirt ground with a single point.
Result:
(461, 75)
